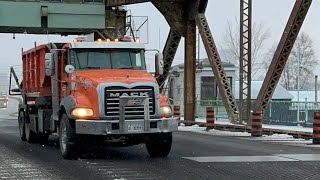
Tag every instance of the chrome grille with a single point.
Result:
(112, 95)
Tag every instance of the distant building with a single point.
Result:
(281, 110)
(308, 96)
(207, 92)
(206, 85)
(280, 93)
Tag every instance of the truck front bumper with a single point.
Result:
(103, 127)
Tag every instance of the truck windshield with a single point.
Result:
(84, 59)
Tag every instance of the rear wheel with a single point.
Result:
(159, 145)
(67, 138)
(21, 122)
(31, 136)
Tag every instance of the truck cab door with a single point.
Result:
(65, 77)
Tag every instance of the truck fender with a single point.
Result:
(68, 104)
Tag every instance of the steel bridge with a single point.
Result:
(183, 16)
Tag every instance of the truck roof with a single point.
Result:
(107, 45)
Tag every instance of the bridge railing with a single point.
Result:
(277, 112)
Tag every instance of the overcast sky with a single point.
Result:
(273, 13)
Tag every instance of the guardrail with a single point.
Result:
(243, 128)
(277, 112)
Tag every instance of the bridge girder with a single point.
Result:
(280, 58)
(113, 3)
(183, 16)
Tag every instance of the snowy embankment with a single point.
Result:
(278, 127)
(202, 130)
(213, 132)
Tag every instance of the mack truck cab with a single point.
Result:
(89, 92)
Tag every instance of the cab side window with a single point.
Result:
(73, 60)
(65, 58)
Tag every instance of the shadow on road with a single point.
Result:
(103, 152)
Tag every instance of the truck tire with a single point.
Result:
(31, 136)
(159, 144)
(67, 138)
(22, 124)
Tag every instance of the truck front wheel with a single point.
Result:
(159, 145)
(22, 124)
(66, 138)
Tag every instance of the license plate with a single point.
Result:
(134, 128)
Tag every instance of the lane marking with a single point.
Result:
(239, 159)
(268, 158)
(301, 157)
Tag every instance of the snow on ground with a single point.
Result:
(202, 130)
(274, 137)
(279, 138)
(287, 128)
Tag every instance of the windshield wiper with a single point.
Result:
(126, 68)
(91, 67)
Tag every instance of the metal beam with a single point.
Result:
(245, 60)
(180, 16)
(202, 6)
(113, 3)
(115, 23)
(173, 13)
(217, 68)
(190, 71)
(169, 52)
(51, 18)
(282, 53)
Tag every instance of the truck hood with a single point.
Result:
(127, 76)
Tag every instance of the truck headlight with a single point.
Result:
(82, 112)
(165, 111)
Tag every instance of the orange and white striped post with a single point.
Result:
(256, 125)
(176, 112)
(210, 118)
(316, 128)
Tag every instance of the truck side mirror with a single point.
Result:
(159, 64)
(49, 64)
(69, 69)
(15, 90)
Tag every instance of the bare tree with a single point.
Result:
(231, 46)
(301, 64)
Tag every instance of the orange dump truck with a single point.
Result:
(93, 92)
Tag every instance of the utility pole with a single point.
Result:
(298, 88)
(316, 90)
(198, 49)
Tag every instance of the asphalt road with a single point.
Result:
(193, 156)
